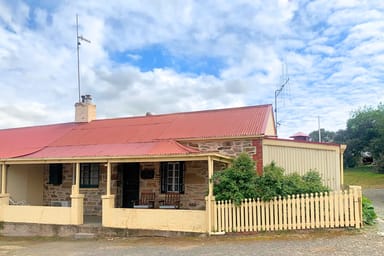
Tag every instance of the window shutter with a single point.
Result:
(163, 176)
(181, 177)
(55, 174)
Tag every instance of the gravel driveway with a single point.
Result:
(367, 241)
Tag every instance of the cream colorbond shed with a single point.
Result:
(300, 157)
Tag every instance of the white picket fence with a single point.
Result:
(306, 211)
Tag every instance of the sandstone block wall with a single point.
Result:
(196, 178)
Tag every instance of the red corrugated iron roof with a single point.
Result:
(234, 122)
(21, 141)
(151, 134)
(110, 150)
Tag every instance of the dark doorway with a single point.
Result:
(131, 183)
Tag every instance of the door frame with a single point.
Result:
(130, 191)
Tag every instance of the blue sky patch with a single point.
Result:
(156, 56)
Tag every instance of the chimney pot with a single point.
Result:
(85, 111)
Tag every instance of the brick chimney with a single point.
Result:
(85, 111)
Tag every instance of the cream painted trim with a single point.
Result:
(121, 159)
(108, 178)
(307, 145)
(3, 178)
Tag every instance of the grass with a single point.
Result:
(363, 176)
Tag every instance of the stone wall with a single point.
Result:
(196, 186)
(226, 147)
(58, 192)
(92, 196)
(195, 180)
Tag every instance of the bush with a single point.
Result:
(369, 214)
(274, 183)
(379, 166)
(240, 181)
(236, 182)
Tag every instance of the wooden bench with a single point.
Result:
(171, 201)
(147, 200)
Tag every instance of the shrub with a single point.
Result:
(274, 183)
(369, 214)
(236, 182)
(240, 181)
(379, 165)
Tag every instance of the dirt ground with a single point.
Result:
(367, 241)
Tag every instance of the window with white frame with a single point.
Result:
(89, 175)
(172, 177)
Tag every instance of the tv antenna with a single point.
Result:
(284, 82)
(79, 38)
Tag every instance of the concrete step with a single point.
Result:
(84, 236)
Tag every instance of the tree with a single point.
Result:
(326, 136)
(365, 133)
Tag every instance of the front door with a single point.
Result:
(131, 183)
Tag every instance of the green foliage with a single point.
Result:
(274, 183)
(326, 136)
(369, 214)
(236, 182)
(379, 166)
(240, 181)
(364, 133)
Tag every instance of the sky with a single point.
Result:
(323, 59)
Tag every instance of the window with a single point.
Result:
(89, 175)
(172, 177)
(55, 174)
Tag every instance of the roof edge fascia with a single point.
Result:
(118, 159)
(222, 138)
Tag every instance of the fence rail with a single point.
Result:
(305, 211)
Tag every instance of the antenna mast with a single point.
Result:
(277, 93)
(78, 38)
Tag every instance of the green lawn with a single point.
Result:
(363, 176)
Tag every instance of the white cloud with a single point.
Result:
(333, 50)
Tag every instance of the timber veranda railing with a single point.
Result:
(334, 209)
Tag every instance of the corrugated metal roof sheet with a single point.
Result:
(111, 136)
(234, 122)
(21, 141)
(110, 150)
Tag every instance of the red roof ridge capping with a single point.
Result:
(154, 115)
(40, 126)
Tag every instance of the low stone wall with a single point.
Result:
(92, 196)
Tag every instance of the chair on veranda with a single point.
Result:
(14, 202)
(147, 200)
(171, 201)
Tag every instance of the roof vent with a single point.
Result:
(148, 114)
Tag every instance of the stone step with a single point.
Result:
(85, 236)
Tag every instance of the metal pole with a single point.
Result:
(78, 57)
(318, 122)
(276, 110)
